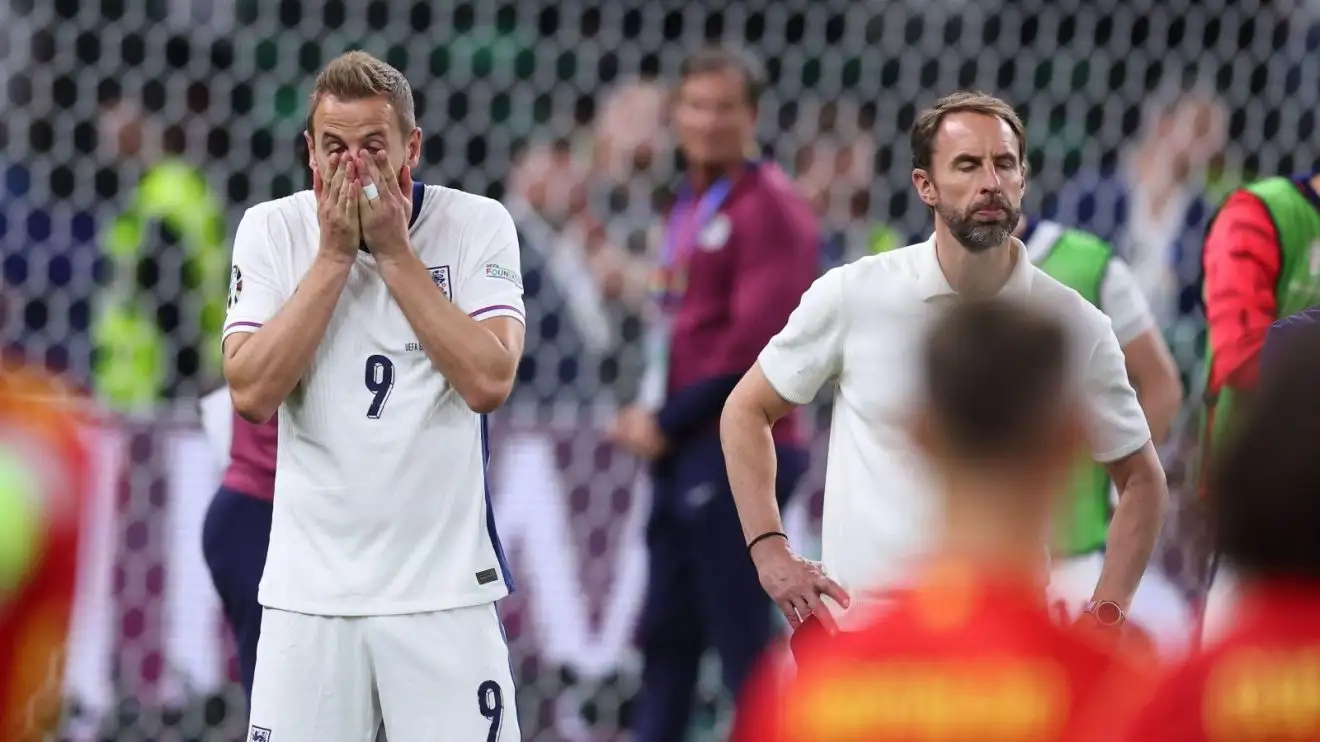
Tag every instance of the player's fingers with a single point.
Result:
(351, 199)
(367, 166)
(344, 187)
(337, 171)
(386, 173)
(826, 586)
(334, 170)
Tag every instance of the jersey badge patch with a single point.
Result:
(716, 234)
(500, 272)
(440, 274)
(235, 286)
(259, 734)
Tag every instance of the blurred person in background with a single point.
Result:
(1153, 210)
(859, 328)
(834, 170)
(236, 531)
(740, 247)
(158, 319)
(1088, 265)
(1262, 680)
(629, 160)
(44, 478)
(1262, 264)
(586, 216)
(968, 651)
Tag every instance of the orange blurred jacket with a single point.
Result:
(1261, 684)
(965, 657)
(34, 622)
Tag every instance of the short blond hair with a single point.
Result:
(357, 75)
(927, 126)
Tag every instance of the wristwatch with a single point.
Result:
(1107, 613)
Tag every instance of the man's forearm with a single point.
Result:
(267, 366)
(1161, 405)
(1132, 533)
(749, 458)
(474, 361)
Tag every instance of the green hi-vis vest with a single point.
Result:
(1297, 222)
(1078, 260)
(134, 362)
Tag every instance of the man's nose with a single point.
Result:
(990, 180)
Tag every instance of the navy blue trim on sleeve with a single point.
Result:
(695, 406)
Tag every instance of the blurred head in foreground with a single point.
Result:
(1000, 425)
(1265, 487)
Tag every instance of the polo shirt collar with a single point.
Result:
(932, 283)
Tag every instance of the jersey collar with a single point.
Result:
(418, 193)
(932, 283)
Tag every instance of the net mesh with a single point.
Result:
(548, 106)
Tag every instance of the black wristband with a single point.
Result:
(764, 536)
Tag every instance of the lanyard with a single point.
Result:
(686, 221)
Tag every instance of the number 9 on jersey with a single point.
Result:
(380, 380)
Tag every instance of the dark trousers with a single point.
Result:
(235, 537)
(703, 589)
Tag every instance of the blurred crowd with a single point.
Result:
(122, 293)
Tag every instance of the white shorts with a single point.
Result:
(1158, 608)
(428, 676)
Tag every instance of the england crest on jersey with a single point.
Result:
(259, 734)
(440, 274)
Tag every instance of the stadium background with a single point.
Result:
(512, 95)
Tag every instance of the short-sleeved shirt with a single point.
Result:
(1261, 683)
(861, 328)
(1120, 294)
(958, 658)
(381, 504)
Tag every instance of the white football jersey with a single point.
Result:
(381, 500)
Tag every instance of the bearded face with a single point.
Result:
(986, 222)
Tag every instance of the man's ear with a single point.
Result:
(414, 147)
(311, 150)
(925, 187)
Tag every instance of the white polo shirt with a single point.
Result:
(861, 327)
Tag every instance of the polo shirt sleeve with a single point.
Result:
(809, 351)
(255, 293)
(1121, 299)
(1117, 425)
